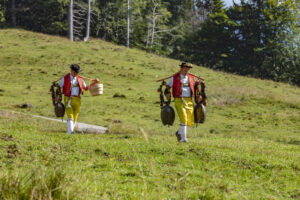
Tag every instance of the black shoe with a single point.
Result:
(178, 136)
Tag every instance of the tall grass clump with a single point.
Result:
(35, 185)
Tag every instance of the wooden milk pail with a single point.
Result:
(96, 89)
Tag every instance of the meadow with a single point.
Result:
(248, 148)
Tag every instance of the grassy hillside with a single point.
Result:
(249, 147)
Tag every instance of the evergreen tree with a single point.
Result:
(38, 15)
(2, 13)
(264, 44)
(210, 45)
(256, 37)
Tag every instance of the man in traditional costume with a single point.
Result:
(183, 90)
(73, 86)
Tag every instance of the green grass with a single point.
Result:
(249, 147)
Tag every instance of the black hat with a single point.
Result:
(75, 68)
(184, 64)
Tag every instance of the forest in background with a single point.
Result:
(256, 37)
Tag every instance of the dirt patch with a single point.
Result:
(224, 101)
(24, 105)
(7, 138)
(117, 95)
(12, 151)
(6, 114)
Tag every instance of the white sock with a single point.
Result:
(70, 126)
(75, 128)
(183, 129)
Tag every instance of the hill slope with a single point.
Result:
(249, 147)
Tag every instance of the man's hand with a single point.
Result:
(168, 96)
(96, 80)
(56, 99)
(198, 99)
(167, 93)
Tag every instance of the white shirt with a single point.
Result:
(186, 90)
(74, 85)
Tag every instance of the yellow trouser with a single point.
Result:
(73, 111)
(185, 112)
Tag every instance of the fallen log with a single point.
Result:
(81, 127)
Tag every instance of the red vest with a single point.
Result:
(177, 85)
(67, 85)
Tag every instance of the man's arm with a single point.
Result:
(167, 91)
(87, 87)
(61, 83)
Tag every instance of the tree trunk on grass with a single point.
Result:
(13, 13)
(70, 19)
(128, 22)
(88, 22)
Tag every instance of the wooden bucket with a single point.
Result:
(96, 89)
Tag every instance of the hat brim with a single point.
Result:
(185, 66)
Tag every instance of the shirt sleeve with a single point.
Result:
(170, 84)
(61, 83)
(83, 83)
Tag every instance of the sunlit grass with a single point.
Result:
(248, 148)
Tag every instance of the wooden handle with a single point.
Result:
(197, 76)
(176, 73)
(58, 79)
(79, 76)
(86, 78)
(164, 78)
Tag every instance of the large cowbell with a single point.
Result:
(167, 115)
(199, 113)
(59, 109)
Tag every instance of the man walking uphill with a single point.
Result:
(73, 86)
(183, 89)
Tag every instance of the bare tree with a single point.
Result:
(13, 13)
(154, 17)
(70, 19)
(199, 14)
(80, 19)
(194, 14)
(88, 22)
(151, 25)
(157, 20)
(128, 23)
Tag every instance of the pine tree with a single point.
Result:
(210, 45)
(2, 13)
